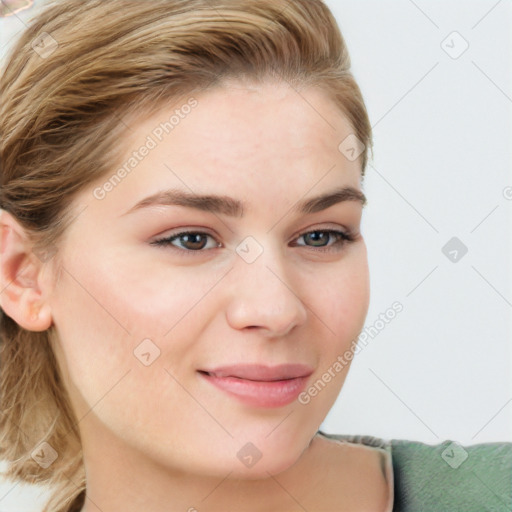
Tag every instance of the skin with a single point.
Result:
(159, 437)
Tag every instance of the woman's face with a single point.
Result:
(156, 329)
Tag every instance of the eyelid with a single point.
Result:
(329, 227)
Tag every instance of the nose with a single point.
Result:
(263, 297)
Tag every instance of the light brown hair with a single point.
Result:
(60, 126)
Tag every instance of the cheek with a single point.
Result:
(340, 310)
(121, 297)
(106, 308)
(104, 323)
(342, 303)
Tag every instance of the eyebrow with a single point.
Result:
(231, 207)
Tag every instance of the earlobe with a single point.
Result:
(21, 296)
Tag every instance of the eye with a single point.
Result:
(192, 241)
(196, 241)
(320, 239)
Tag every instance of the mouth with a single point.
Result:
(260, 385)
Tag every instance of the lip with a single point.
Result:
(259, 385)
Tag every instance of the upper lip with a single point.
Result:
(261, 372)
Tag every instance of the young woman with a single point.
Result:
(182, 268)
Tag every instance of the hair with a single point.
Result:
(60, 126)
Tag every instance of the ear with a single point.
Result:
(21, 296)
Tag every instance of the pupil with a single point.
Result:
(195, 240)
(317, 236)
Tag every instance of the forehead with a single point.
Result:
(248, 141)
(246, 126)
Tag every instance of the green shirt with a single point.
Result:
(446, 477)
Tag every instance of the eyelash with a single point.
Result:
(343, 239)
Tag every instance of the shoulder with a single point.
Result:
(450, 476)
(447, 476)
(363, 469)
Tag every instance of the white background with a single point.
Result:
(442, 369)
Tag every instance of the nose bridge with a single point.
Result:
(263, 295)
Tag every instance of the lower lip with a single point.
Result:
(277, 393)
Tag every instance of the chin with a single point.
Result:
(271, 455)
(265, 467)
